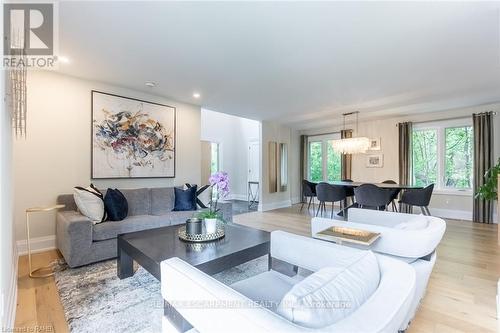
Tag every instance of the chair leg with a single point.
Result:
(312, 198)
(394, 206)
(331, 215)
(319, 208)
(423, 210)
(428, 211)
(302, 206)
(309, 205)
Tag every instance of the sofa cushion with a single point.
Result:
(162, 200)
(110, 230)
(139, 201)
(257, 288)
(180, 217)
(332, 293)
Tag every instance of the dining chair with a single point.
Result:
(349, 191)
(371, 196)
(394, 196)
(308, 191)
(417, 197)
(329, 193)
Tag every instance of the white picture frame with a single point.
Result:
(375, 161)
(375, 144)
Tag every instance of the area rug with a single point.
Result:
(96, 300)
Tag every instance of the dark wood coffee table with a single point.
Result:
(150, 247)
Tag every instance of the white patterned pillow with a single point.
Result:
(90, 203)
(332, 293)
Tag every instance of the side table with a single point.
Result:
(28, 212)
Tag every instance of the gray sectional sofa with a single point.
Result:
(82, 242)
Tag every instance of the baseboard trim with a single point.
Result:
(450, 213)
(39, 244)
(274, 205)
(295, 200)
(11, 298)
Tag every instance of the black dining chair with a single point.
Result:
(308, 191)
(417, 197)
(349, 191)
(329, 193)
(372, 197)
(394, 196)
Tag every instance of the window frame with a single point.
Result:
(323, 138)
(440, 127)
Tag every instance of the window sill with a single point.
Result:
(464, 193)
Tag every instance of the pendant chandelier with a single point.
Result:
(356, 145)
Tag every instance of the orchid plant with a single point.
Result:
(219, 186)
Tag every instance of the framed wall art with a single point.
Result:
(375, 161)
(374, 144)
(131, 138)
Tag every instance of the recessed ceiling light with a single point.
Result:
(63, 59)
(196, 95)
(150, 84)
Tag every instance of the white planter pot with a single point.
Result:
(210, 225)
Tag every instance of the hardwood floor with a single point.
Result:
(460, 296)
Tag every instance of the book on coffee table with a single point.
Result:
(349, 235)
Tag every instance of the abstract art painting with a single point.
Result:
(131, 138)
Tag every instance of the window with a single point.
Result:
(443, 155)
(215, 158)
(324, 163)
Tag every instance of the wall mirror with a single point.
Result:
(283, 166)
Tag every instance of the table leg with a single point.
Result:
(124, 264)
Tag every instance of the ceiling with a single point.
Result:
(300, 63)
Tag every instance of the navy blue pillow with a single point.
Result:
(116, 205)
(185, 199)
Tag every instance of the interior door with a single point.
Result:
(253, 162)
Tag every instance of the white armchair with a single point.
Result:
(414, 246)
(210, 306)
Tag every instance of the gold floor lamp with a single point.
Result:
(28, 212)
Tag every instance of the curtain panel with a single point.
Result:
(405, 157)
(303, 163)
(405, 153)
(346, 159)
(483, 161)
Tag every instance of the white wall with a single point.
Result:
(233, 135)
(55, 156)
(8, 257)
(442, 204)
(271, 131)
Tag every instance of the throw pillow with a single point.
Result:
(116, 205)
(418, 222)
(203, 195)
(90, 203)
(332, 293)
(185, 199)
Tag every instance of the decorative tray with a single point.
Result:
(348, 235)
(204, 237)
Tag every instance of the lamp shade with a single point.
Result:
(351, 145)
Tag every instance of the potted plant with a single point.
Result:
(489, 191)
(219, 183)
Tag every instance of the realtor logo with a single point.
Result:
(29, 35)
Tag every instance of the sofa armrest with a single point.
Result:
(74, 234)
(210, 306)
(377, 217)
(226, 209)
